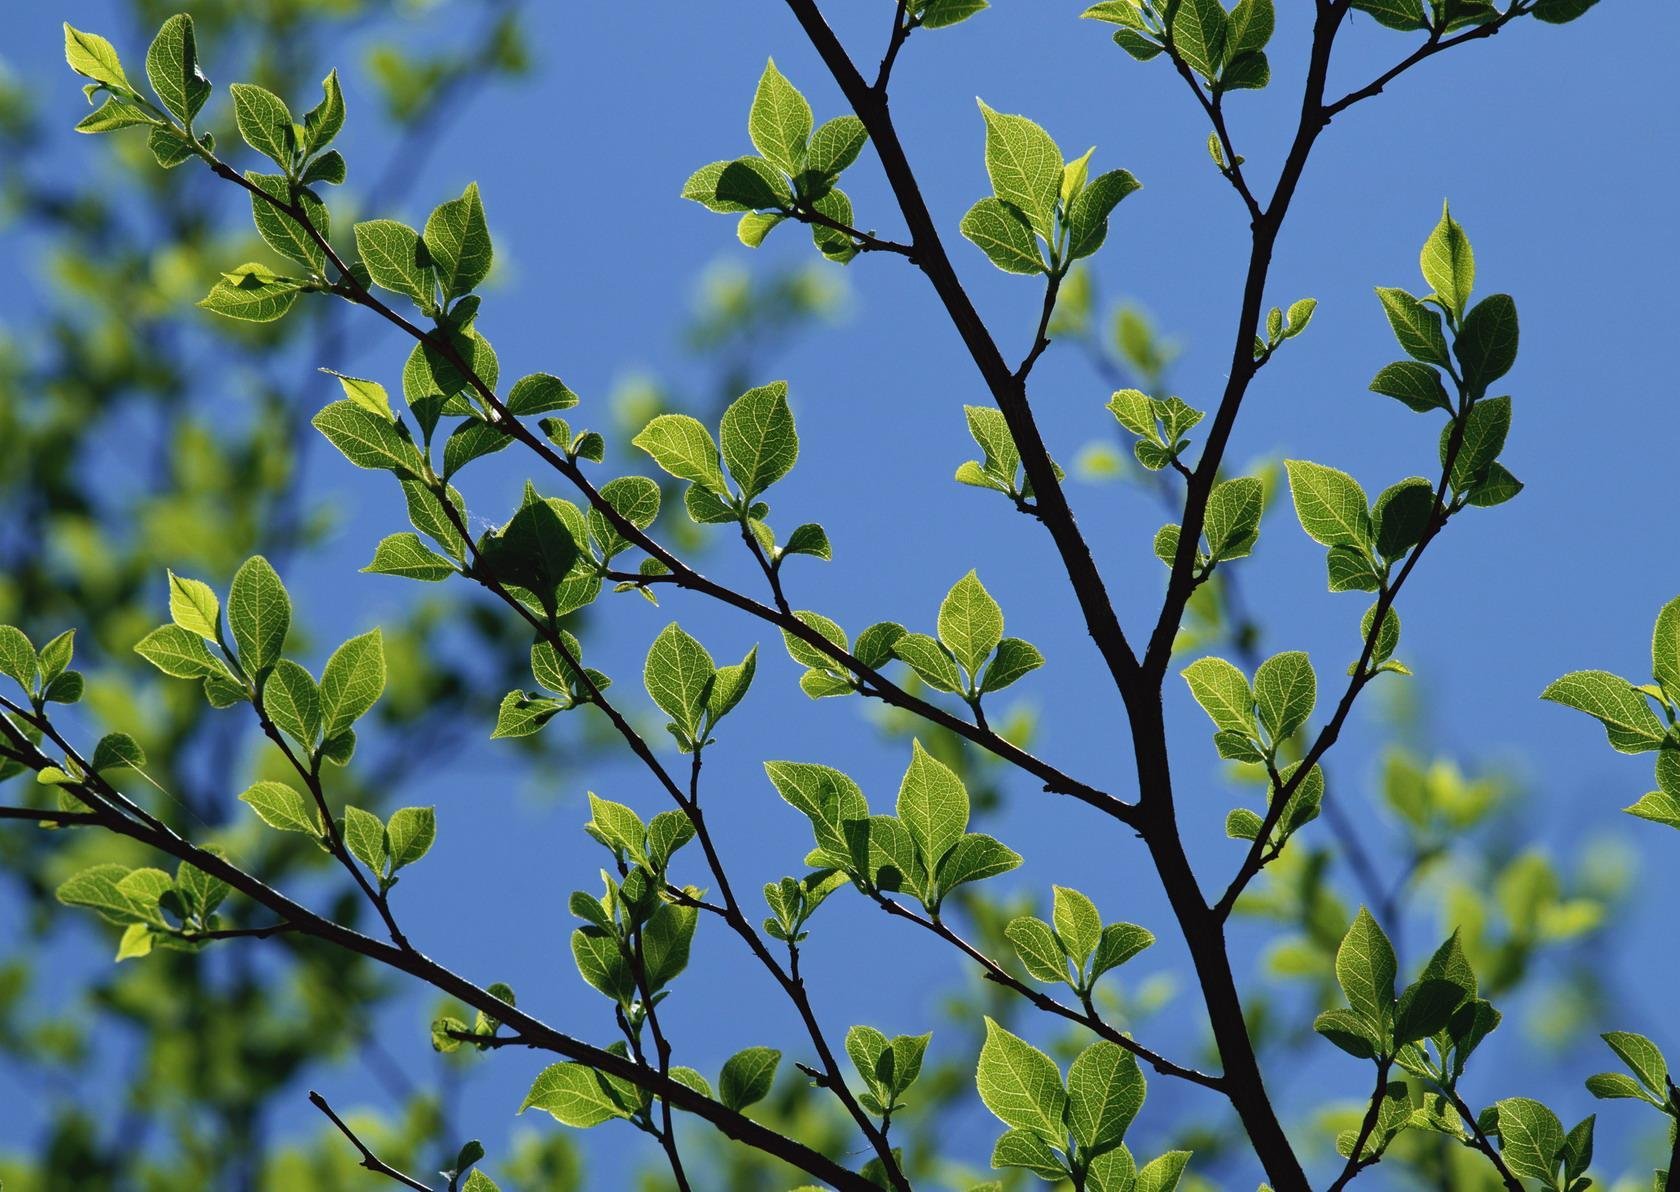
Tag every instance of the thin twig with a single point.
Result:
(370, 1160)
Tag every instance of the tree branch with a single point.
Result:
(370, 1160)
(1007, 389)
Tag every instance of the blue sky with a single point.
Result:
(1556, 149)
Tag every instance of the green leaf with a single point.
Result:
(932, 805)
(758, 438)
(779, 121)
(1424, 1009)
(56, 655)
(364, 836)
(1628, 720)
(1003, 234)
(111, 115)
(1162, 1174)
(116, 750)
(278, 223)
(684, 448)
(172, 69)
(18, 659)
(91, 55)
(539, 393)
(1013, 659)
(730, 685)
(1643, 1059)
(1105, 1091)
(259, 613)
(1119, 943)
(744, 184)
(1530, 1137)
(265, 122)
(827, 797)
(1036, 945)
(1248, 30)
(809, 538)
(666, 941)
(1401, 515)
(1198, 34)
(1349, 1031)
(1415, 384)
(1396, 14)
(352, 681)
(679, 674)
(835, 145)
(1487, 344)
(369, 395)
(537, 549)
(636, 499)
(1025, 167)
(1232, 523)
(973, 858)
(1351, 570)
(938, 14)
(1448, 263)
(1027, 1150)
(1417, 327)
(410, 832)
(1607, 1086)
(1329, 503)
(575, 1095)
(324, 121)
(1665, 647)
(396, 259)
(520, 715)
(457, 240)
(252, 295)
(1224, 694)
(747, 1076)
(98, 889)
(279, 806)
(1366, 968)
(293, 701)
(970, 623)
(367, 440)
(931, 661)
(1087, 217)
(1021, 1085)
(804, 652)
(1077, 923)
(175, 651)
(405, 555)
(1286, 690)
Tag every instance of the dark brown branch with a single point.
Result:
(1480, 1141)
(370, 1160)
(1357, 1160)
(1435, 45)
(1086, 1017)
(1008, 391)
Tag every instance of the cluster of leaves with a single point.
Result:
(760, 445)
(1630, 714)
(925, 850)
(1252, 723)
(1044, 212)
(1227, 48)
(794, 175)
(1000, 470)
(1073, 1130)
(1076, 936)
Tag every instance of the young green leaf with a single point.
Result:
(758, 438)
(1021, 1085)
(396, 259)
(1105, 1091)
(1025, 167)
(679, 674)
(747, 1076)
(172, 69)
(932, 805)
(410, 833)
(457, 240)
(779, 121)
(1448, 263)
(1365, 969)
(684, 448)
(576, 1095)
(352, 681)
(1003, 234)
(265, 122)
(280, 806)
(1286, 690)
(1329, 503)
(1224, 694)
(970, 623)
